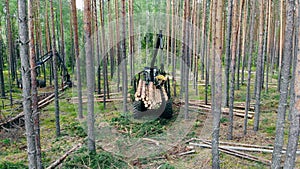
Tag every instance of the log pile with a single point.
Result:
(149, 94)
(237, 111)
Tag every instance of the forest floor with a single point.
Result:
(13, 152)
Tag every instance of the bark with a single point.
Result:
(295, 106)
(96, 30)
(9, 52)
(235, 29)
(34, 92)
(10, 42)
(218, 87)
(243, 53)
(124, 62)
(62, 42)
(259, 68)
(203, 30)
(173, 46)
(90, 75)
(76, 43)
(131, 38)
(227, 58)
(54, 58)
(48, 40)
(23, 37)
(239, 39)
(2, 85)
(285, 74)
(186, 57)
(248, 98)
(269, 45)
(118, 52)
(111, 40)
(281, 39)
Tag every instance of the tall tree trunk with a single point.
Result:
(90, 75)
(235, 28)
(282, 32)
(54, 58)
(294, 104)
(218, 87)
(23, 35)
(62, 42)
(124, 62)
(227, 58)
(239, 43)
(186, 55)
(131, 38)
(285, 74)
(2, 85)
(259, 67)
(248, 98)
(118, 52)
(203, 38)
(48, 40)
(10, 42)
(245, 31)
(268, 53)
(104, 53)
(9, 52)
(34, 92)
(76, 43)
(111, 41)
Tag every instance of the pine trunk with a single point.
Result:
(218, 87)
(259, 68)
(124, 60)
(54, 53)
(2, 83)
(235, 28)
(90, 75)
(29, 126)
(34, 92)
(76, 43)
(248, 98)
(285, 78)
(228, 50)
(295, 106)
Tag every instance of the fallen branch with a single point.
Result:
(235, 153)
(62, 158)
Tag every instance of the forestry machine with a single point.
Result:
(152, 96)
(49, 55)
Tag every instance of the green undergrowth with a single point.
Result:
(137, 130)
(83, 159)
(12, 165)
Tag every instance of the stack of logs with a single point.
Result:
(149, 94)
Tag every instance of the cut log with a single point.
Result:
(143, 94)
(243, 147)
(62, 158)
(41, 104)
(208, 109)
(139, 89)
(235, 153)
